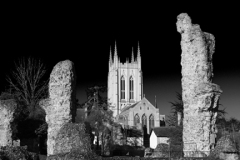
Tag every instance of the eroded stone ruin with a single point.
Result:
(59, 107)
(200, 95)
(226, 148)
(7, 110)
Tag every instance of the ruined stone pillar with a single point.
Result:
(7, 110)
(60, 106)
(200, 96)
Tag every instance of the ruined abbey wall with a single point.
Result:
(200, 95)
(7, 110)
(59, 107)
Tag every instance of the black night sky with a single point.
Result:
(54, 34)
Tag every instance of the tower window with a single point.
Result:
(131, 87)
(122, 88)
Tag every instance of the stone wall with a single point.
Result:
(200, 95)
(72, 137)
(60, 106)
(226, 149)
(7, 110)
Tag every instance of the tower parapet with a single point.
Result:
(114, 64)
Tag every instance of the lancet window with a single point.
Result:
(131, 88)
(151, 122)
(144, 120)
(122, 88)
(126, 120)
(136, 119)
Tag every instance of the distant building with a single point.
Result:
(125, 94)
(142, 113)
(162, 121)
(124, 82)
(160, 135)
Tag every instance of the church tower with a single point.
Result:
(125, 81)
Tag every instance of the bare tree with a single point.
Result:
(27, 82)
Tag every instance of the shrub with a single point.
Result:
(73, 143)
(162, 150)
(18, 152)
(74, 155)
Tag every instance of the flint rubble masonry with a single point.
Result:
(59, 107)
(200, 95)
(7, 110)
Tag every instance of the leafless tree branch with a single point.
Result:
(27, 81)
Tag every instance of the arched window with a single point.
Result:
(144, 120)
(121, 119)
(151, 122)
(131, 87)
(122, 88)
(126, 120)
(136, 119)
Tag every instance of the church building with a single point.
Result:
(125, 93)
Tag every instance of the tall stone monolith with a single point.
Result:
(59, 107)
(7, 110)
(200, 96)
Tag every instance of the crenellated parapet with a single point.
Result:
(115, 63)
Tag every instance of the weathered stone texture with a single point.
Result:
(226, 149)
(59, 107)
(17, 153)
(73, 142)
(72, 137)
(7, 110)
(200, 95)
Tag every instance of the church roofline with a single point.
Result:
(128, 107)
(133, 105)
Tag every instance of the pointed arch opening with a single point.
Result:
(136, 119)
(131, 88)
(126, 120)
(144, 120)
(151, 122)
(122, 87)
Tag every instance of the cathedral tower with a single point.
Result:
(125, 82)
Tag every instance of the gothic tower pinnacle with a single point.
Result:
(110, 57)
(132, 59)
(115, 54)
(115, 49)
(139, 57)
(138, 51)
(155, 101)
